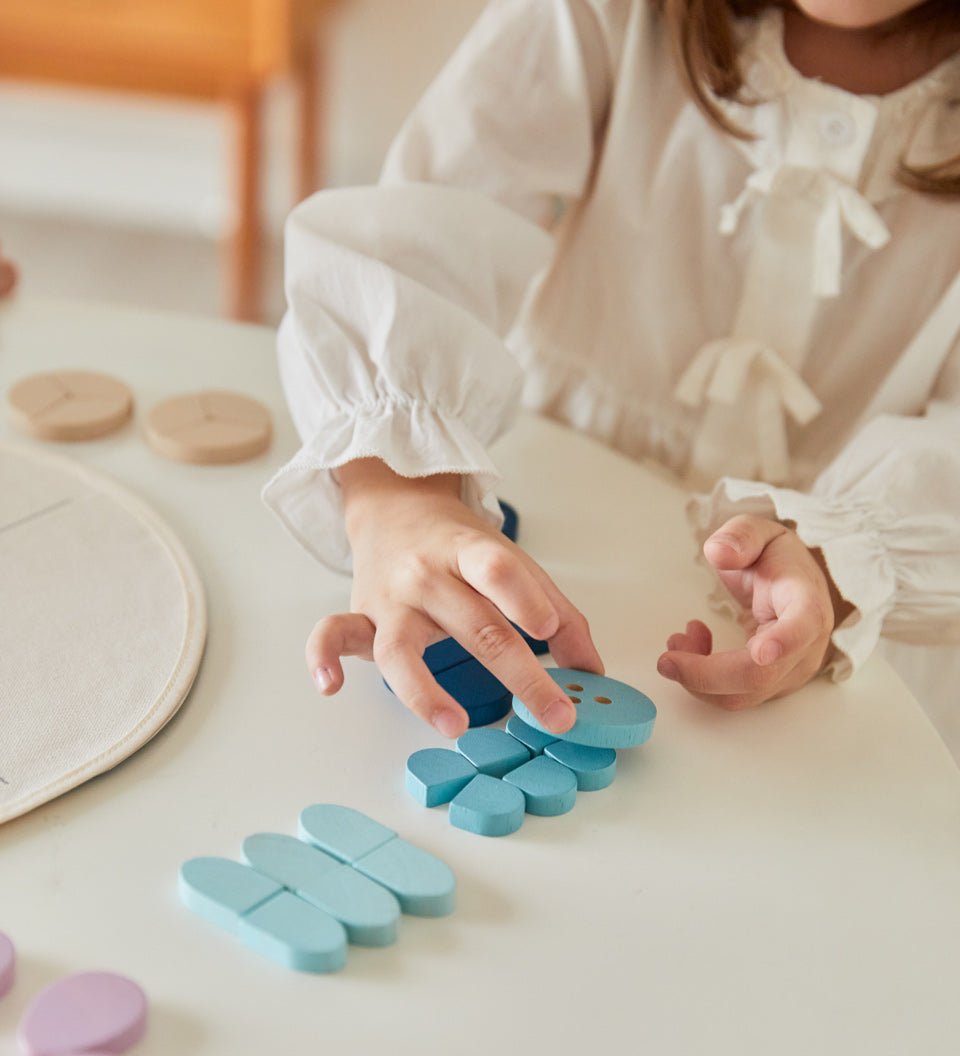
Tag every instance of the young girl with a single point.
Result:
(722, 234)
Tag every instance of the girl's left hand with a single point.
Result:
(789, 615)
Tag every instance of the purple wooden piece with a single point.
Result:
(86, 1013)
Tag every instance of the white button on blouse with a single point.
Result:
(837, 129)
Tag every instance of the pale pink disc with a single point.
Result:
(8, 964)
(94, 1012)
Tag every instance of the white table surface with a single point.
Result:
(780, 881)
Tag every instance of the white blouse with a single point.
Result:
(558, 224)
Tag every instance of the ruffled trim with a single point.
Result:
(306, 497)
(853, 552)
(571, 392)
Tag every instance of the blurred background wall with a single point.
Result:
(128, 197)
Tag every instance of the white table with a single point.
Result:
(780, 881)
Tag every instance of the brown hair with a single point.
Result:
(702, 35)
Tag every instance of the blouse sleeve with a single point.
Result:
(886, 515)
(400, 297)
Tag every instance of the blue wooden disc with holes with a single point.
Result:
(610, 714)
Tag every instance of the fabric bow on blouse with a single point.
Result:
(749, 382)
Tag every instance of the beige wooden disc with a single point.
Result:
(209, 428)
(68, 405)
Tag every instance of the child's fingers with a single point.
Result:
(572, 646)
(483, 630)
(804, 625)
(499, 573)
(696, 639)
(701, 635)
(398, 651)
(346, 634)
(787, 599)
(729, 674)
(740, 541)
(528, 597)
(794, 612)
(526, 678)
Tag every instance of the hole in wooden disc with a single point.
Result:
(574, 687)
(576, 700)
(603, 700)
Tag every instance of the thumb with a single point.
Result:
(739, 542)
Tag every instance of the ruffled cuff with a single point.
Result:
(853, 551)
(305, 495)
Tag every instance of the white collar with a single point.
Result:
(919, 122)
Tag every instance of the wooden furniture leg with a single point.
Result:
(309, 166)
(244, 243)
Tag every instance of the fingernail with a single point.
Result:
(323, 679)
(668, 669)
(727, 540)
(769, 652)
(446, 723)
(559, 716)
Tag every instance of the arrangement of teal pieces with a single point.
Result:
(301, 901)
(495, 777)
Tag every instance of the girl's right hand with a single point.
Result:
(426, 568)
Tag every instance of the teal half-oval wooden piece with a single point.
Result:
(345, 833)
(595, 767)
(549, 788)
(296, 934)
(488, 807)
(263, 914)
(610, 714)
(492, 752)
(368, 912)
(422, 884)
(222, 890)
(436, 775)
(535, 740)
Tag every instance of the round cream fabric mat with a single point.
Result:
(102, 626)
